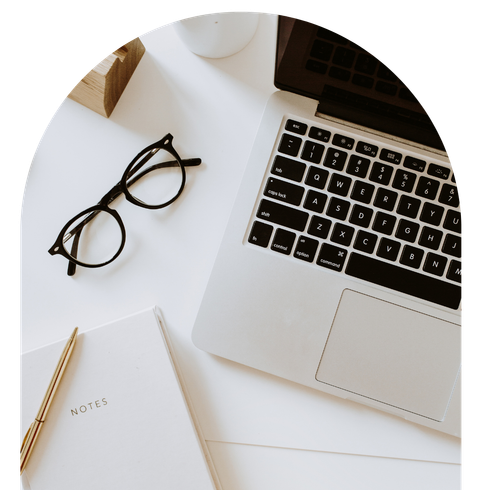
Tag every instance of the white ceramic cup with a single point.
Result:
(218, 35)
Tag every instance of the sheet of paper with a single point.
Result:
(264, 468)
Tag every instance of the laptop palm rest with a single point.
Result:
(392, 355)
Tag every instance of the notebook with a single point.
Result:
(340, 267)
(120, 418)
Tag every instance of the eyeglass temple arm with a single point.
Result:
(189, 162)
(72, 267)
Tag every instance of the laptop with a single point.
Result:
(340, 266)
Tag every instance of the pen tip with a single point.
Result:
(74, 333)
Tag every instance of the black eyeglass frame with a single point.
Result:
(122, 187)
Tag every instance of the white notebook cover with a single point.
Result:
(119, 419)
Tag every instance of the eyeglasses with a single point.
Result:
(146, 184)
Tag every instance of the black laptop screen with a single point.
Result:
(349, 83)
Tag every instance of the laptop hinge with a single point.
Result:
(326, 108)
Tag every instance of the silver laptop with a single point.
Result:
(340, 267)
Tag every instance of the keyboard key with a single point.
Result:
(321, 50)
(344, 57)
(284, 191)
(287, 168)
(319, 227)
(384, 223)
(335, 159)
(390, 156)
(381, 173)
(315, 201)
(366, 63)
(289, 145)
(361, 216)
(260, 234)
(342, 234)
(404, 280)
(454, 271)
(408, 206)
(452, 245)
(414, 164)
(430, 238)
(404, 181)
(407, 230)
(358, 166)
(362, 80)
(388, 249)
(438, 171)
(317, 177)
(449, 195)
(431, 213)
(339, 184)
(339, 73)
(367, 149)
(312, 152)
(343, 141)
(332, 257)
(316, 66)
(452, 222)
(362, 191)
(385, 73)
(319, 134)
(283, 241)
(427, 188)
(385, 199)
(296, 127)
(435, 264)
(386, 88)
(282, 215)
(338, 208)
(306, 249)
(365, 242)
(411, 256)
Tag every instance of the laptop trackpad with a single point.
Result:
(392, 354)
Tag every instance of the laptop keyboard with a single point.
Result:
(362, 210)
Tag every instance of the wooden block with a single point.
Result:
(101, 88)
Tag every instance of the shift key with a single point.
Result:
(282, 215)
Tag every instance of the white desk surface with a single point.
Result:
(263, 432)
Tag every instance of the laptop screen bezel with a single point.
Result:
(291, 75)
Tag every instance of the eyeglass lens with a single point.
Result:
(97, 241)
(159, 179)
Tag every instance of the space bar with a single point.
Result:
(404, 280)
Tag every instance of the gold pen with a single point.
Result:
(35, 428)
